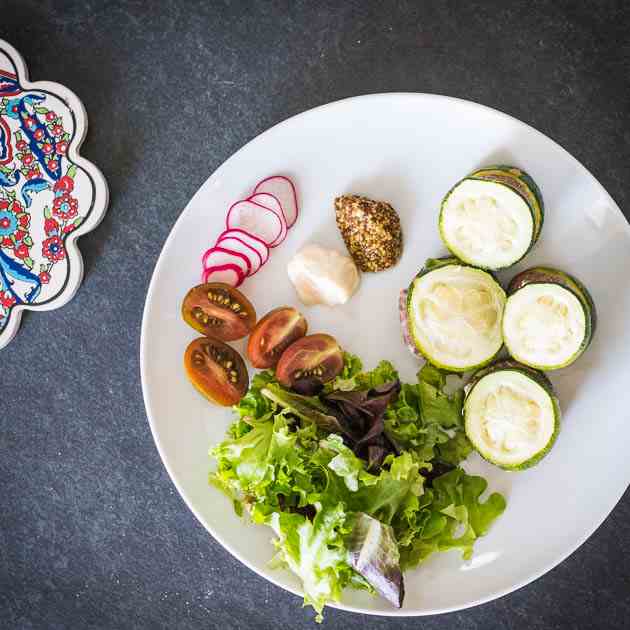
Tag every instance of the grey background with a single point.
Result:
(92, 532)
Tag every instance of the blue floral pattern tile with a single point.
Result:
(49, 194)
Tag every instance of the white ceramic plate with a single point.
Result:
(409, 149)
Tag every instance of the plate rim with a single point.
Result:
(497, 594)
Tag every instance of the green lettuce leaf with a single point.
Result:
(269, 467)
(381, 496)
(346, 464)
(243, 464)
(383, 373)
(352, 377)
(455, 450)
(346, 381)
(393, 491)
(449, 516)
(315, 552)
(253, 406)
(438, 406)
(423, 416)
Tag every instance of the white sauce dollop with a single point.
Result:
(323, 276)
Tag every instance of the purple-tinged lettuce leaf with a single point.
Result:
(308, 408)
(373, 552)
(366, 409)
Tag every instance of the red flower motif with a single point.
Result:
(50, 225)
(21, 251)
(53, 165)
(39, 133)
(50, 116)
(6, 299)
(47, 148)
(27, 159)
(16, 207)
(33, 173)
(44, 277)
(69, 228)
(65, 207)
(7, 242)
(21, 145)
(61, 147)
(57, 130)
(24, 220)
(4, 204)
(30, 122)
(19, 234)
(64, 184)
(52, 248)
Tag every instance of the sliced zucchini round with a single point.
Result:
(492, 218)
(511, 415)
(454, 314)
(549, 318)
(518, 179)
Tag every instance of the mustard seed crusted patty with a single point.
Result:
(371, 231)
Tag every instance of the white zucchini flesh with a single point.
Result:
(544, 325)
(455, 316)
(486, 224)
(509, 418)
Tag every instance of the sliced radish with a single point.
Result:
(235, 244)
(263, 223)
(217, 256)
(249, 239)
(228, 274)
(283, 189)
(271, 202)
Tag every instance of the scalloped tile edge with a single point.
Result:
(100, 203)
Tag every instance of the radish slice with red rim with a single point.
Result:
(248, 239)
(271, 202)
(283, 190)
(228, 274)
(235, 244)
(217, 256)
(257, 220)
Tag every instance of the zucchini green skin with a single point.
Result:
(431, 265)
(516, 180)
(548, 275)
(537, 376)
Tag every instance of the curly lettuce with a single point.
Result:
(449, 516)
(288, 464)
(315, 551)
(427, 420)
(353, 377)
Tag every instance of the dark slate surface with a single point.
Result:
(92, 533)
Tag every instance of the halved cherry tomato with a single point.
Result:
(273, 334)
(310, 362)
(216, 370)
(219, 311)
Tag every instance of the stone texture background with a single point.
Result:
(92, 532)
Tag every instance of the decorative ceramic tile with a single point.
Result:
(49, 194)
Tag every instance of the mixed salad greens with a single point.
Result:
(359, 482)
